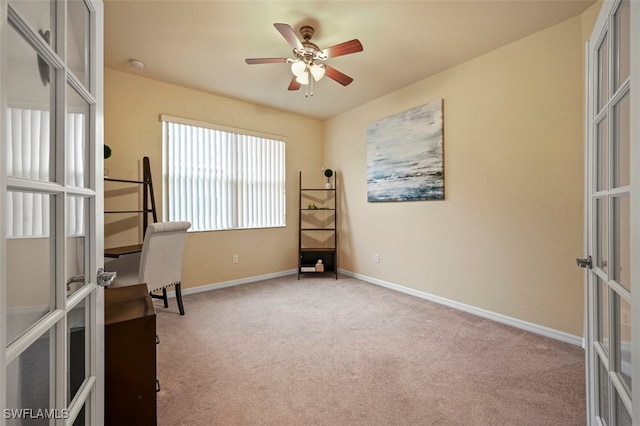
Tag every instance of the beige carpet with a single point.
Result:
(321, 351)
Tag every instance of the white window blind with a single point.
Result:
(219, 179)
(28, 157)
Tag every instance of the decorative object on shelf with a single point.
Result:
(312, 206)
(405, 155)
(319, 266)
(107, 154)
(328, 173)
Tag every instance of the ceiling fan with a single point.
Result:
(307, 64)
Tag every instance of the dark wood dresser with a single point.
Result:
(130, 356)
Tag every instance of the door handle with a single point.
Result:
(105, 278)
(585, 263)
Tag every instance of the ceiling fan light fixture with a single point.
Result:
(303, 79)
(298, 68)
(317, 70)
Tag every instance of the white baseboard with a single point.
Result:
(524, 325)
(232, 283)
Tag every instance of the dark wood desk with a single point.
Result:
(130, 356)
(115, 252)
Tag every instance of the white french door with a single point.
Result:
(613, 216)
(51, 203)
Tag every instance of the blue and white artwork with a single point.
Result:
(405, 155)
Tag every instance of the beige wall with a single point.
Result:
(506, 237)
(133, 130)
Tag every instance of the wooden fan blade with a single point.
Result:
(336, 75)
(252, 61)
(289, 35)
(294, 85)
(346, 48)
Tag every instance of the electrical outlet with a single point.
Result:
(376, 258)
(235, 258)
(625, 317)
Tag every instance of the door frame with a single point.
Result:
(3, 240)
(97, 346)
(634, 164)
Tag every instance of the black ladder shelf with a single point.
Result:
(317, 230)
(148, 207)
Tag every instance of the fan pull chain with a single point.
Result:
(306, 89)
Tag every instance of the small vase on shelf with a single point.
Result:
(107, 154)
(328, 173)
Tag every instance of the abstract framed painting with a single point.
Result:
(405, 155)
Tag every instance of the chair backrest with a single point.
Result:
(161, 257)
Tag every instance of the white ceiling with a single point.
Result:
(203, 44)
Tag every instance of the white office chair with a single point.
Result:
(160, 263)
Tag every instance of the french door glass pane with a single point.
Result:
(81, 420)
(77, 210)
(76, 139)
(622, 241)
(603, 314)
(76, 347)
(30, 260)
(29, 101)
(622, 415)
(78, 40)
(39, 14)
(28, 380)
(603, 389)
(602, 151)
(621, 142)
(623, 50)
(603, 72)
(602, 234)
(624, 342)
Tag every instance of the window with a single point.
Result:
(222, 178)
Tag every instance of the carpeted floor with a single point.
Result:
(321, 351)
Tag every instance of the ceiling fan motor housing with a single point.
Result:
(310, 52)
(307, 32)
